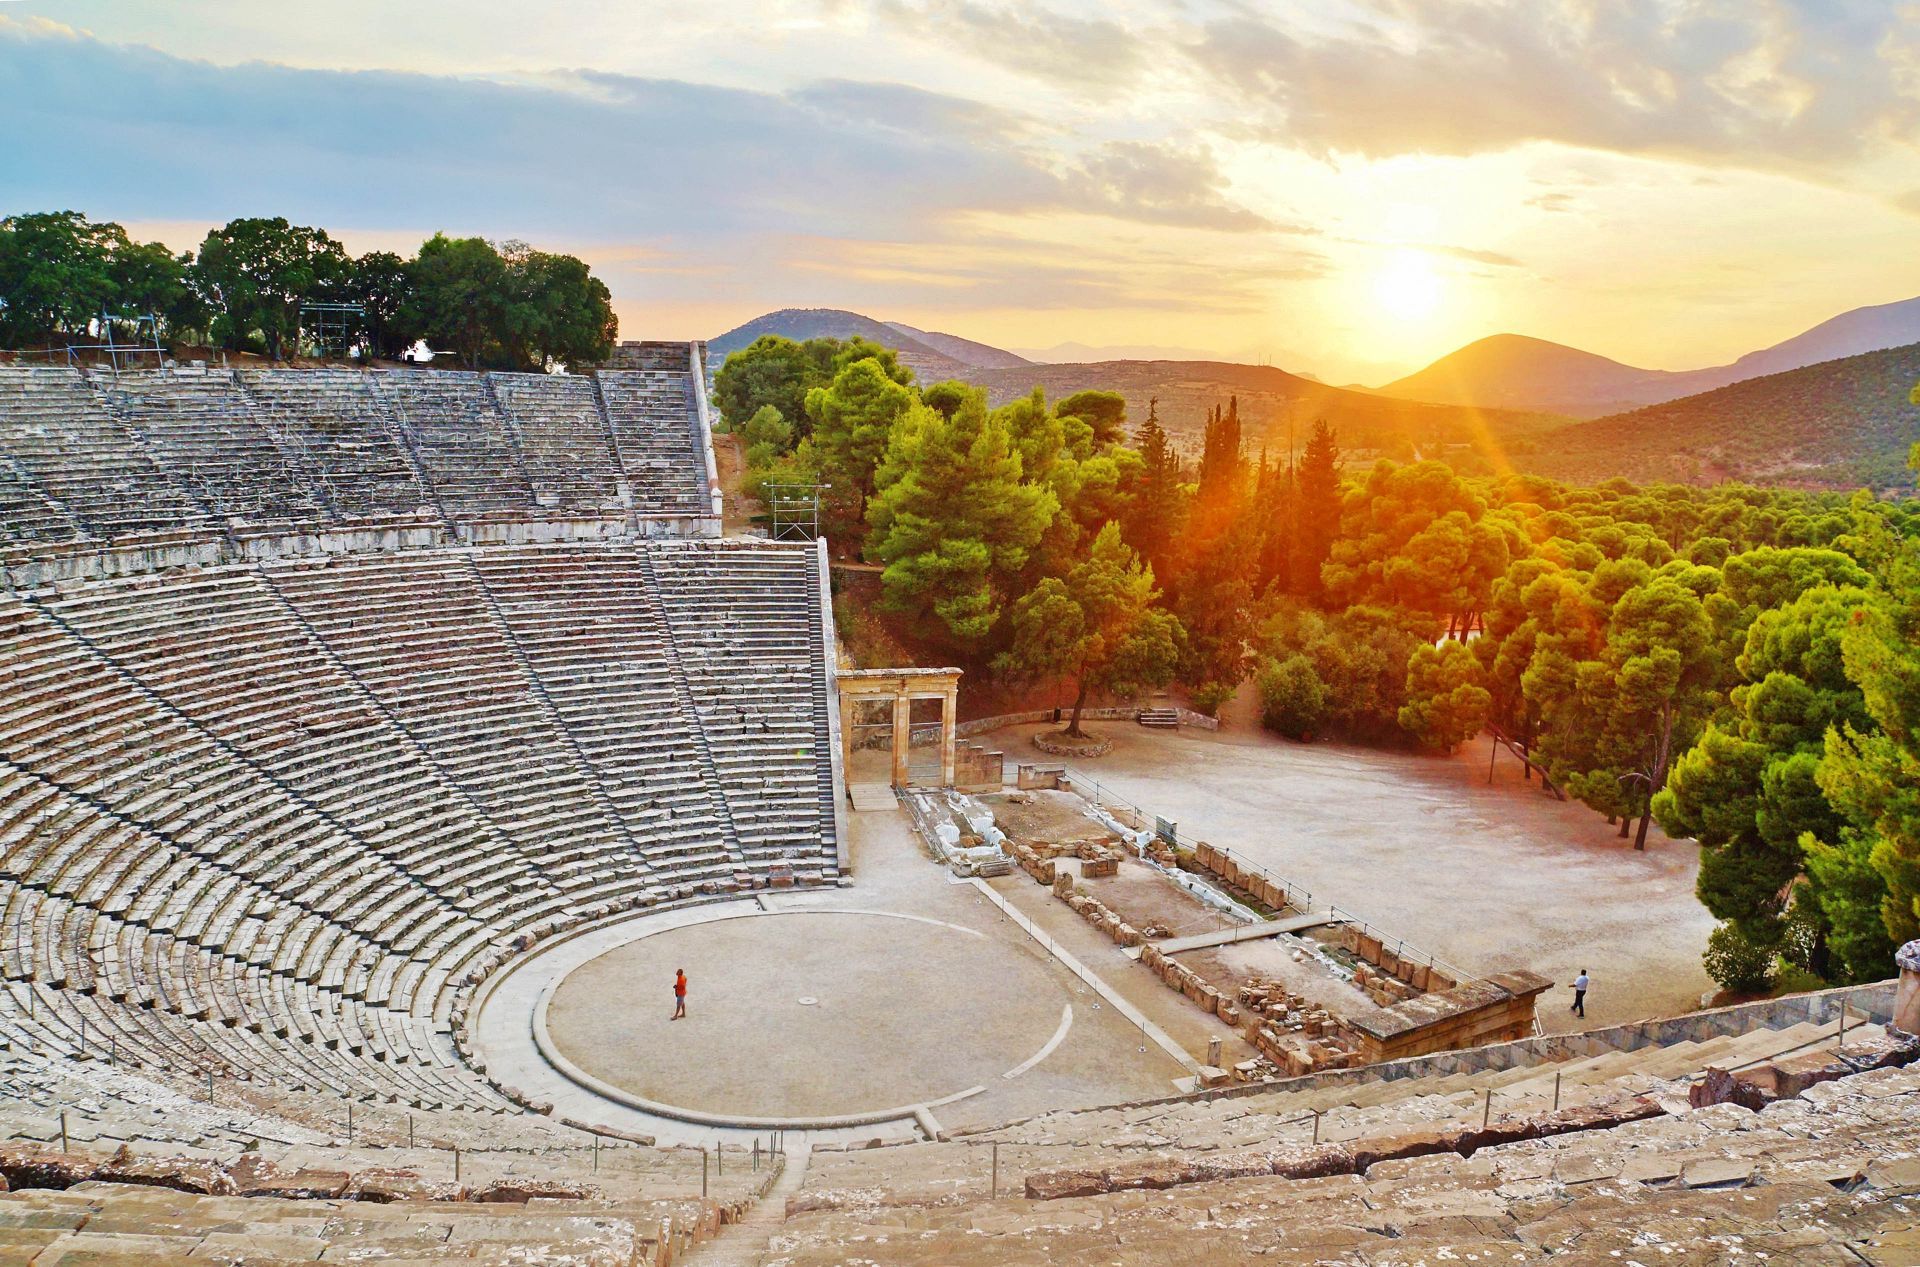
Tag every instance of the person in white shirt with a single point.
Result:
(1579, 1007)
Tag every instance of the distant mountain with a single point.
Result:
(1078, 353)
(1849, 334)
(933, 356)
(980, 355)
(1837, 424)
(1273, 403)
(1511, 371)
(801, 324)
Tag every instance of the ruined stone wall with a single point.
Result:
(1496, 1009)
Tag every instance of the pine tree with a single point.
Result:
(952, 519)
(1273, 511)
(1316, 508)
(1158, 507)
(1222, 466)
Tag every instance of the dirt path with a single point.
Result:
(737, 510)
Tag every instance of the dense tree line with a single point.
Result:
(1737, 664)
(504, 306)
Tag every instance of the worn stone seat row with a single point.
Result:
(282, 817)
(94, 455)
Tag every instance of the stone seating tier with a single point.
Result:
(92, 456)
(275, 820)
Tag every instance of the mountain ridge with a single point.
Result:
(1516, 371)
(1838, 423)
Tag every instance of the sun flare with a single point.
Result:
(1407, 287)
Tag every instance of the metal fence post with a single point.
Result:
(703, 1172)
(1556, 1090)
(63, 1131)
(1486, 1111)
(996, 1168)
(596, 1154)
(409, 1130)
(1316, 1124)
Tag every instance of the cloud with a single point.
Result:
(1085, 52)
(586, 155)
(1768, 83)
(1161, 184)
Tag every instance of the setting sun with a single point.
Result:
(1407, 287)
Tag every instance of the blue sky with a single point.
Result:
(1344, 186)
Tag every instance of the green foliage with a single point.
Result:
(1447, 702)
(254, 273)
(1737, 963)
(1158, 502)
(518, 308)
(60, 270)
(56, 273)
(1293, 699)
(148, 278)
(771, 372)
(1105, 414)
(1359, 658)
(557, 312)
(1208, 697)
(1418, 537)
(952, 519)
(853, 420)
(382, 285)
(767, 433)
(459, 298)
(1097, 625)
(1317, 510)
(1850, 893)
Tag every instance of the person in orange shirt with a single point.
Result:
(679, 994)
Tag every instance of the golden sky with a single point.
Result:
(1346, 187)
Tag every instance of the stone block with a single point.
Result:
(521, 1190)
(182, 1174)
(1051, 1185)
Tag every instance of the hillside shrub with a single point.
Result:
(1293, 699)
(1737, 963)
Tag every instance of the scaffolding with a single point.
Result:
(144, 341)
(331, 329)
(793, 511)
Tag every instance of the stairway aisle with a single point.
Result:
(744, 1244)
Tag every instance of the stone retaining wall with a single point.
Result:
(1863, 1002)
(1126, 712)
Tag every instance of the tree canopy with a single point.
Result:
(510, 306)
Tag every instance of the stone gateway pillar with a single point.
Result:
(900, 688)
(1906, 999)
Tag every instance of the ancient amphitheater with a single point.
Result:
(375, 745)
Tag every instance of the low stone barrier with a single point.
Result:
(1314, 1161)
(1128, 712)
